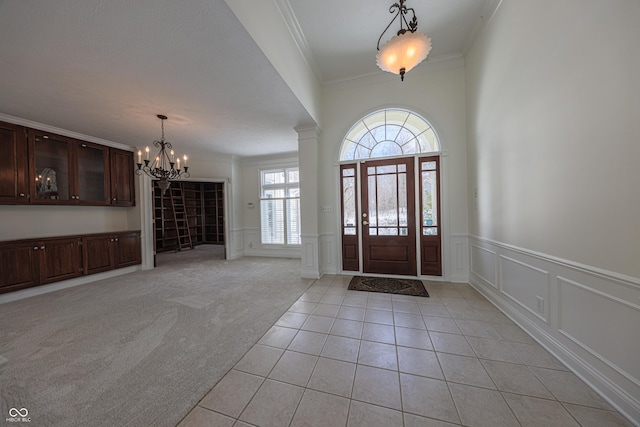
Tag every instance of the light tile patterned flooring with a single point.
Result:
(339, 358)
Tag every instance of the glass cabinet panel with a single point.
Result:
(51, 158)
(91, 173)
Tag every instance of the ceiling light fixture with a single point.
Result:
(165, 167)
(406, 49)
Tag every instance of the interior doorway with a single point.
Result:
(189, 214)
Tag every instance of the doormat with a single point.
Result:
(388, 285)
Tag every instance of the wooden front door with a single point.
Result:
(380, 230)
(388, 217)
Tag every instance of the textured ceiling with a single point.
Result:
(106, 68)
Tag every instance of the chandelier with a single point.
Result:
(165, 167)
(406, 49)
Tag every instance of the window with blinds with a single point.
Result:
(280, 206)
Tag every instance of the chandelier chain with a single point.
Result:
(402, 11)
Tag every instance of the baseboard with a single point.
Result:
(273, 253)
(52, 287)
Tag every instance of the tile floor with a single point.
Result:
(339, 358)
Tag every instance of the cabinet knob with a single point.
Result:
(41, 247)
(114, 199)
(116, 240)
(35, 248)
(22, 194)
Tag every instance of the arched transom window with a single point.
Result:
(389, 132)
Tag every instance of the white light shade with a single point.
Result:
(404, 51)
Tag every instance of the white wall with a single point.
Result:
(553, 98)
(554, 130)
(31, 221)
(435, 92)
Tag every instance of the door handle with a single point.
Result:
(365, 222)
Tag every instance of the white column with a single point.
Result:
(308, 163)
(145, 202)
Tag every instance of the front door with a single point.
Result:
(388, 217)
(379, 216)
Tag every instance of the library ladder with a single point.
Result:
(176, 196)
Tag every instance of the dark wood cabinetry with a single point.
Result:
(19, 265)
(14, 162)
(94, 174)
(122, 184)
(213, 202)
(60, 259)
(127, 249)
(33, 262)
(203, 209)
(109, 251)
(40, 167)
(50, 163)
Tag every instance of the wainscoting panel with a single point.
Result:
(329, 262)
(525, 284)
(253, 247)
(310, 257)
(236, 244)
(483, 264)
(457, 266)
(594, 320)
(589, 318)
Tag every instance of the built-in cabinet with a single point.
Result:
(110, 251)
(122, 180)
(44, 168)
(203, 209)
(33, 262)
(14, 175)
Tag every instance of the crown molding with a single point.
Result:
(63, 132)
(298, 36)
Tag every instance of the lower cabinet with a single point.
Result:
(108, 252)
(60, 259)
(33, 262)
(19, 266)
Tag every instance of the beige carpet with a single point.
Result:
(140, 349)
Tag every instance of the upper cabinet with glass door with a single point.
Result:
(68, 171)
(51, 160)
(93, 174)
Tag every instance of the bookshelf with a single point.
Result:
(204, 206)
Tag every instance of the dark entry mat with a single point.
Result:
(388, 285)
